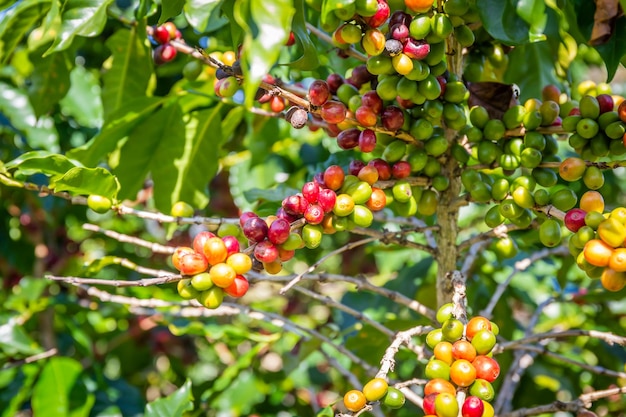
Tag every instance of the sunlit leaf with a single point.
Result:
(309, 59)
(87, 181)
(41, 162)
(80, 18)
(174, 405)
(329, 7)
(119, 125)
(15, 106)
(82, 101)
(203, 15)
(187, 159)
(501, 20)
(614, 50)
(15, 388)
(170, 9)
(14, 341)
(17, 22)
(59, 392)
(50, 81)
(266, 35)
(130, 71)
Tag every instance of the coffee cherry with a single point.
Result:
(326, 199)
(381, 15)
(255, 229)
(394, 398)
(245, 216)
(375, 389)
(201, 282)
(446, 405)
(191, 264)
(186, 290)
(99, 204)
(266, 252)
(462, 373)
(212, 298)
(214, 250)
(348, 139)
(354, 400)
(319, 92)
(486, 368)
(476, 324)
(472, 407)
(239, 287)
(312, 235)
(161, 35)
(181, 209)
(333, 112)
(333, 177)
(164, 53)
(482, 389)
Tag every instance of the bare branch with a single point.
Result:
(392, 237)
(360, 282)
(388, 361)
(154, 247)
(30, 359)
(117, 283)
(591, 368)
(213, 223)
(609, 338)
(344, 248)
(582, 402)
(519, 266)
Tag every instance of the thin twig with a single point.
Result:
(542, 350)
(146, 282)
(609, 338)
(519, 266)
(582, 402)
(320, 261)
(388, 360)
(154, 247)
(30, 359)
(392, 237)
(165, 218)
(349, 51)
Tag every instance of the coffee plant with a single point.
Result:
(313, 208)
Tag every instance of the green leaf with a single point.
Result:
(264, 39)
(329, 6)
(6, 3)
(80, 18)
(231, 121)
(50, 81)
(531, 67)
(138, 152)
(15, 388)
(174, 405)
(17, 22)
(309, 59)
(87, 181)
(14, 341)
(118, 126)
(277, 194)
(82, 101)
(15, 106)
(534, 13)
(326, 412)
(614, 50)
(59, 392)
(130, 71)
(170, 8)
(203, 15)
(42, 162)
(501, 21)
(183, 166)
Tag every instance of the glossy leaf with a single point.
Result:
(501, 20)
(530, 67)
(15, 388)
(138, 154)
(130, 71)
(41, 162)
(170, 9)
(533, 13)
(329, 6)
(614, 50)
(6, 3)
(16, 107)
(309, 59)
(203, 15)
(188, 160)
(121, 123)
(174, 405)
(50, 81)
(80, 18)
(82, 102)
(14, 341)
(265, 36)
(59, 392)
(87, 181)
(17, 22)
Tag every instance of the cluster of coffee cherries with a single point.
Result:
(213, 267)
(376, 390)
(462, 360)
(162, 35)
(599, 240)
